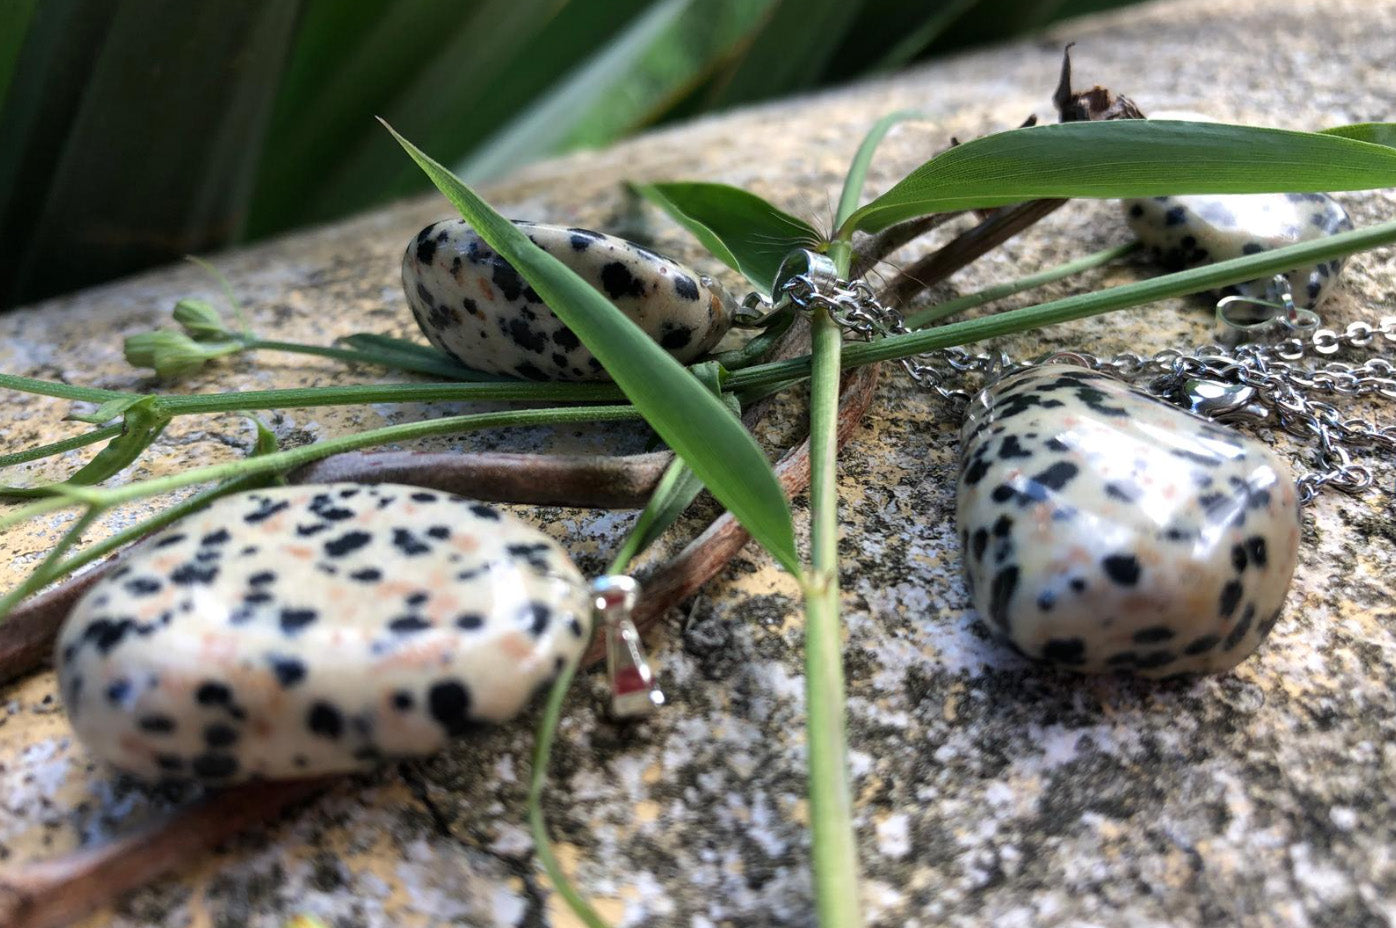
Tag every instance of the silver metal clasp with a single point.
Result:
(634, 693)
(1243, 319)
(1223, 402)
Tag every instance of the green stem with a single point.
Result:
(830, 792)
(390, 393)
(39, 577)
(287, 460)
(538, 779)
(63, 391)
(989, 294)
(59, 447)
(395, 360)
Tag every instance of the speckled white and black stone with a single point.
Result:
(1105, 530)
(1186, 231)
(299, 631)
(473, 304)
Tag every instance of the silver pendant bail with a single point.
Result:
(634, 693)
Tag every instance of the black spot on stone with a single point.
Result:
(981, 541)
(367, 575)
(344, 544)
(1077, 584)
(170, 763)
(1153, 634)
(1065, 650)
(191, 574)
(306, 531)
(686, 287)
(1238, 558)
(1056, 444)
(510, 284)
(1057, 476)
(535, 617)
(1011, 448)
(408, 543)
(293, 620)
(1122, 568)
(407, 624)
(288, 670)
(325, 720)
(1255, 546)
(566, 339)
(1155, 659)
(262, 578)
(156, 724)
(618, 282)
(142, 586)
(1001, 592)
(403, 701)
(259, 596)
(213, 693)
(524, 335)
(449, 704)
(216, 538)
(426, 245)
(470, 621)
(1234, 637)
(1122, 491)
(213, 766)
(220, 735)
(1230, 598)
(417, 599)
(106, 634)
(481, 511)
(170, 540)
(976, 471)
(439, 532)
(1175, 216)
(118, 691)
(675, 338)
(1046, 600)
(1252, 248)
(530, 371)
(265, 510)
(1136, 211)
(579, 242)
(1002, 526)
(1201, 645)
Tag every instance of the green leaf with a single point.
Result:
(862, 160)
(173, 354)
(141, 425)
(1127, 158)
(918, 39)
(689, 418)
(424, 359)
(551, 118)
(107, 411)
(1378, 133)
(742, 230)
(200, 320)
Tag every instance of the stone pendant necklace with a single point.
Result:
(1109, 519)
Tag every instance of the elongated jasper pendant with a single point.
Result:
(1106, 530)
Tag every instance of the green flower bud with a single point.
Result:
(173, 354)
(200, 319)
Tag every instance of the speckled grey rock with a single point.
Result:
(988, 790)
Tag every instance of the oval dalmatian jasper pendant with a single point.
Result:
(1106, 530)
(472, 304)
(299, 631)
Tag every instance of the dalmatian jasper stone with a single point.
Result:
(472, 304)
(299, 631)
(1186, 231)
(1104, 530)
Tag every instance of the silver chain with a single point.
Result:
(1259, 383)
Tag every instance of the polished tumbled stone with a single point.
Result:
(1105, 530)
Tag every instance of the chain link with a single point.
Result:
(1282, 393)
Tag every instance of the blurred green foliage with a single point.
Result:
(135, 131)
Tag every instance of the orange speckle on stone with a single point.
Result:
(485, 289)
(300, 552)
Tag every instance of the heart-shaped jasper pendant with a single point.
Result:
(1104, 529)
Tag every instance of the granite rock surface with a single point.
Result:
(989, 790)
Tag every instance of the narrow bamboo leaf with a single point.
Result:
(689, 418)
(423, 359)
(862, 160)
(549, 120)
(141, 425)
(791, 51)
(1378, 133)
(1128, 158)
(742, 230)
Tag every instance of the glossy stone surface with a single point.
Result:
(298, 631)
(1187, 231)
(1105, 530)
(472, 304)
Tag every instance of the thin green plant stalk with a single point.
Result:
(280, 461)
(830, 791)
(36, 580)
(61, 446)
(942, 311)
(538, 779)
